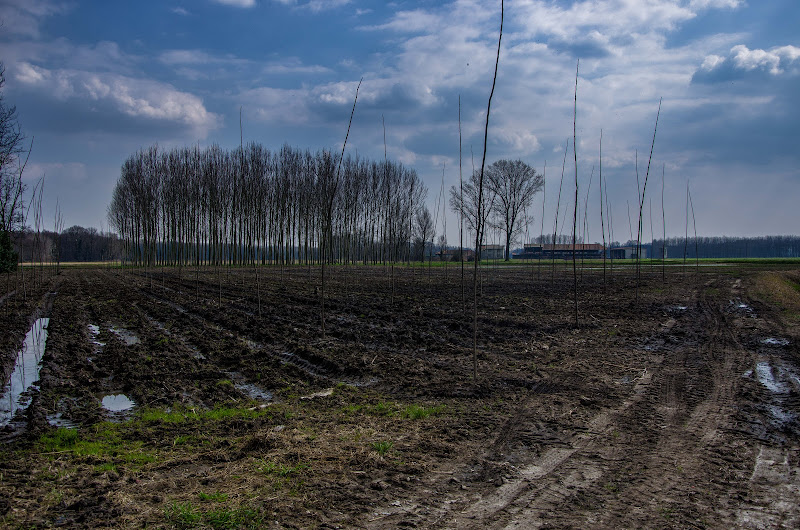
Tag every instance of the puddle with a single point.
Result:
(26, 372)
(767, 378)
(128, 337)
(117, 403)
(249, 389)
(772, 341)
(779, 415)
(737, 306)
(58, 420)
(94, 330)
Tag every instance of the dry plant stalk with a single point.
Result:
(479, 228)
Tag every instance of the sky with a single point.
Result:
(94, 81)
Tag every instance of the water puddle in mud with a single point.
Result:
(249, 389)
(117, 403)
(58, 420)
(128, 337)
(26, 372)
(772, 341)
(738, 306)
(94, 330)
(779, 380)
(767, 378)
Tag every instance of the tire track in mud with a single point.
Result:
(660, 458)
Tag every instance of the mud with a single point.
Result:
(666, 407)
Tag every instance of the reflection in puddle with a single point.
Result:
(766, 378)
(58, 420)
(738, 306)
(128, 337)
(26, 371)
(95, 331)
(772, 341)
(117, 403)
(780, 415)
(250, 390)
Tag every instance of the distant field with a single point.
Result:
(514, 262)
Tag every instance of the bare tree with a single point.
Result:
(423, 230)
(11, 185)
(515, 184)
(464, 200)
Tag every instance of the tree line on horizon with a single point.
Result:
(785, 246)
(251, 205)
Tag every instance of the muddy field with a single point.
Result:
(184, 398)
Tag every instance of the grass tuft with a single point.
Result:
(418, 412)
(382, 447)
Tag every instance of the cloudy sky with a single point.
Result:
(93, 81)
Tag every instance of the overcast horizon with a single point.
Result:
(94, 82)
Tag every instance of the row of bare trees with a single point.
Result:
(252, 205)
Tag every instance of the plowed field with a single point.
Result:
(674, 405)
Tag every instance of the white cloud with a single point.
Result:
(22, 17)
(324, 5)
(293, 65)
(277, 106)
(716, 4)
(771, 60)
(174, 57)
(237, 3)
(409, 22)
(615, 18)
(521, 141)
(775, 61)
(317, 6)
(712, 61)
(134, 97)
(180, 11)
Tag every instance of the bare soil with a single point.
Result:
(672, 405)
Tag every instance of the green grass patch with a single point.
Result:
(385, 409)
(282, 470)
(212, 497)
(418, 412)
(183, 515)
(382, 447)
(105, 443)
(180, 415)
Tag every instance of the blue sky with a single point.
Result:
(93, 81)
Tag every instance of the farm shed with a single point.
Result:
(492, 251)
(628, 252)
(582, 250)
